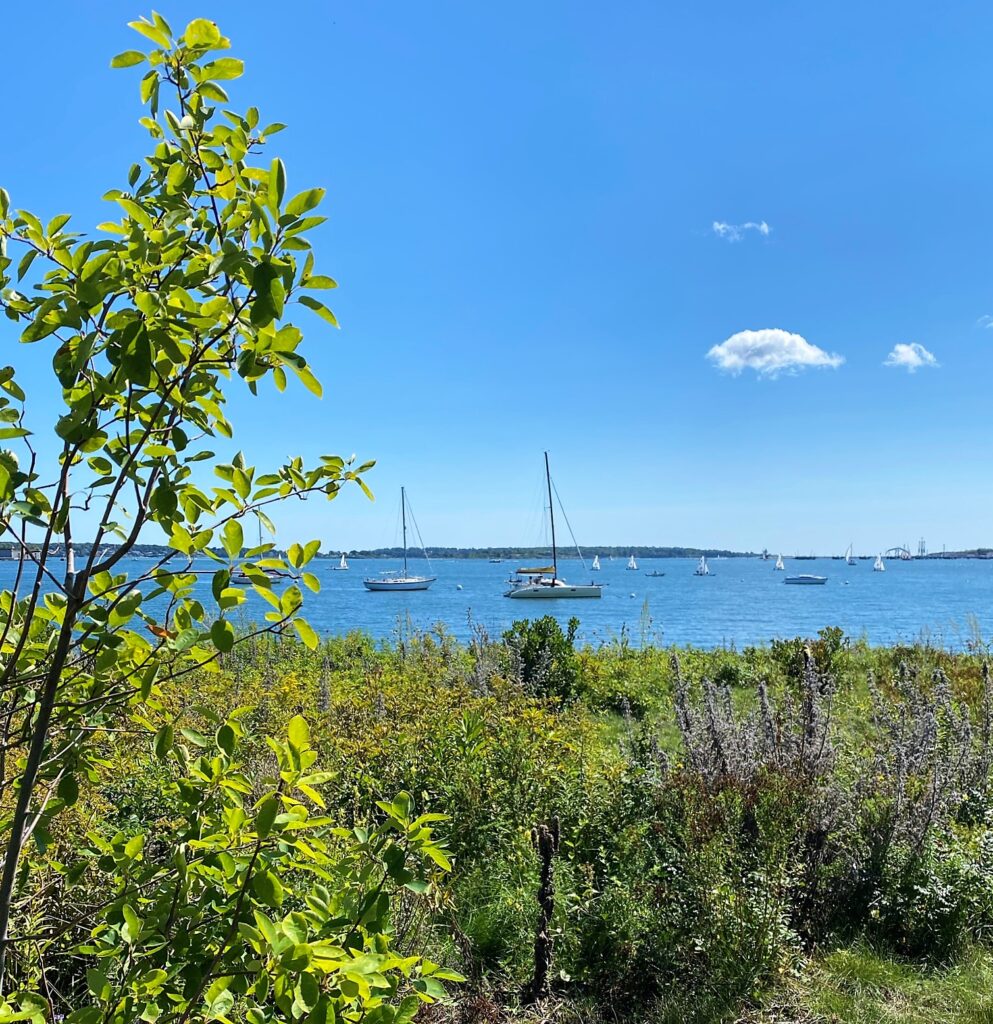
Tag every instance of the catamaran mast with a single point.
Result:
(403, 516)
(551, 516)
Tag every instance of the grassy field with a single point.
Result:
(799, 832)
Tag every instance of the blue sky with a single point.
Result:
(522, 201)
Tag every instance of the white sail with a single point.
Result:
(632, 564)
(850, 555)
(343, 564)
(596, 563)
(702, 569)
(779, 563)
(878, 565)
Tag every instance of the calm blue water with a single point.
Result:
(743, 602)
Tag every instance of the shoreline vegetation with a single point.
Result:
(157, 551)
(799, 832)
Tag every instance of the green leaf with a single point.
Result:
(267, 887)
(299, 732)
(265, 816)
(201, 32)
(153, 32)
(225, 739)
(304, 201)
(223, 69)
(320, 281)
(306, 633)
(320, 309)
(127, 59)
(222, 635)
(163, 742)
(233, 538)
(277, 185)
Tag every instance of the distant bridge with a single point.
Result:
(897, 552)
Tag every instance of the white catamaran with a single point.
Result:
(543, 581)
(702, 569)
(779, 564)
(879, 565)
(392, 580)
(632, 564)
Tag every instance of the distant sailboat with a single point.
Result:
(779, 564)
(850, 556)
(596, 563)
(878, 565)
(632, 564)
(392, 580)
(342, 566)
(702, 569)
(543, 581)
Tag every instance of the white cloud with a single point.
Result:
(736, 232)
(910, 357)
(769, 352)
(985, 321)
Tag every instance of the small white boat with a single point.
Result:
(632, 564)
(779, 564)
(543, 581)
(879, 565)
(342, 566)
(806, 578)
(850, 556)
(702, 569)
(596, 563)
(393, 580)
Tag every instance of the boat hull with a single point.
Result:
(408, 584)
(539, 592)
(809, 581)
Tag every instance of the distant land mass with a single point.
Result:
(157, 551)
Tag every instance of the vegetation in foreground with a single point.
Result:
(792, 833)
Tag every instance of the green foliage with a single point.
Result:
(257, 906)
(188, 287)
(544, 657)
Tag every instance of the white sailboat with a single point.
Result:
(878, 565)
(543, 581)
(702, 569)
(342, 566)
(596, 563)
(392, 580)
(632, 564)
(779, 564)
(850, 555)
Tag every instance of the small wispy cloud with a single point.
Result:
(770, 352)
(737, 232)
(985, 321)
(910, 357)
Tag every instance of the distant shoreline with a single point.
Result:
(155, 551)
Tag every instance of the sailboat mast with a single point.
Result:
(551, 517)
(403, 516)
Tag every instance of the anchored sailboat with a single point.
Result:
(544, 581)
(779, 564)
(632, 564)
(392, 580)
(702, 569)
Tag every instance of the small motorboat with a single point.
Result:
(655, 574)
(806, 578)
